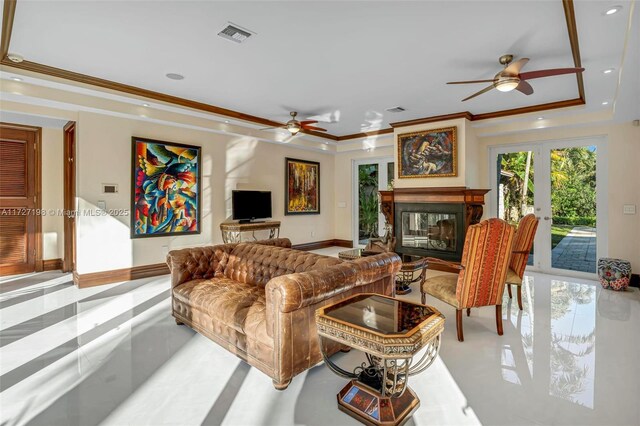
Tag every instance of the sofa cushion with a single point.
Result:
(238, 305)
(257, 264)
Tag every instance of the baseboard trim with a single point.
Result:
(635, 280)
(107, 277)
(52, 264)
(316, 245)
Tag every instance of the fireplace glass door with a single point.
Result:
(429, 231)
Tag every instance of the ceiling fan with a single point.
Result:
(511, 78)
(294, 126)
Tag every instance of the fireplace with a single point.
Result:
(432, 222)
(430, 229)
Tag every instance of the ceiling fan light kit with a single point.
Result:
(510, 77)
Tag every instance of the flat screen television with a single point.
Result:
(247, 206)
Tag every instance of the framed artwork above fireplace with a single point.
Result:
(428, 153)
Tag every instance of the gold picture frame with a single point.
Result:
(428, 153)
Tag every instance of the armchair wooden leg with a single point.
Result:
(178, 322)
(423, 297)
(468, 312)
(459, 325)
(520, 297)
(499, 319)
(509, 290)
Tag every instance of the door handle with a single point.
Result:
(547, 218)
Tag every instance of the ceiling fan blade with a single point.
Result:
(486, 89)
(524, 87)
(308, 122)
(317, 129)
(470, 81)
(548, 73)
(515, 67)
(271, 128)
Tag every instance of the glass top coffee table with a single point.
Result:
(390, 332)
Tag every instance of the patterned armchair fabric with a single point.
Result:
(483, 271)
(485, 258)
(523, 243)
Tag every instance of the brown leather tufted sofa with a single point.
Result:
(259, 300)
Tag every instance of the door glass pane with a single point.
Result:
(367, 202)
(515, 187)
(573, 208)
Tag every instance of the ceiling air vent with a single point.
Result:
(235, 33)
(396, 109)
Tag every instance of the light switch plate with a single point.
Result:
(629, 209)
(102, 205)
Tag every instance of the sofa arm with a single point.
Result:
(197, 262)
(287, 293)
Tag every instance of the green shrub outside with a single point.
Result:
(576, 221)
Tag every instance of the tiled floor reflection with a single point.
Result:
(113, 355)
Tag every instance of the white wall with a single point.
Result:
(228, 162)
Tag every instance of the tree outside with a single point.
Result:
(367, 202)
(573, 188)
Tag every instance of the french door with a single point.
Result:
(370, 175)
(563, 183)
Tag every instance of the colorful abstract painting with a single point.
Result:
(430, 153)
(302, 192)
(165, 189)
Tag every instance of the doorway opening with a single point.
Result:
(562, 183)
(370, 176)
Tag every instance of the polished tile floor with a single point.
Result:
(113, 355)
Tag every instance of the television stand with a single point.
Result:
(244, 221)
(232, 231)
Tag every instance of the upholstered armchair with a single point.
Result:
(482, 272)
(523, 242)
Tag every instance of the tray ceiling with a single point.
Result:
(341, 62)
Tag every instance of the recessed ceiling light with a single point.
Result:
(15, 78)
(227, 121)
(605, 103)
(608, 71)
(613, 10)
(145, 105)
(540, 118)
(174, 76)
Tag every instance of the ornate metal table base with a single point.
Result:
(378, 393)
(232, 231)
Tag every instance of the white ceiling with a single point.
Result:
(344, 61)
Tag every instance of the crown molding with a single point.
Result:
(7, 27)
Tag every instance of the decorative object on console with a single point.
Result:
(614, 274)
(482, 272)
(302, 191)
(522, 245)
(428, 153)
(165, 188)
